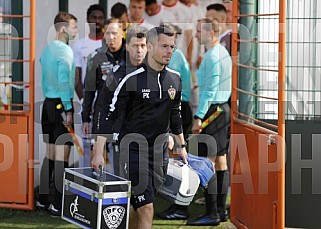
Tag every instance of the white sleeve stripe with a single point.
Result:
(173, 71)
(120, 85)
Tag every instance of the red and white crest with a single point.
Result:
(171, 93)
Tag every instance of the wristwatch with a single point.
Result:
(183, 145)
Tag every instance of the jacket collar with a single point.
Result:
(149, 68)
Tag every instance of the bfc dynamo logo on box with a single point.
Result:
(113, 216)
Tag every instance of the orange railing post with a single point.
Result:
(281, 112)
(32, 103)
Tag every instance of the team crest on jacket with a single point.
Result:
(171, 93)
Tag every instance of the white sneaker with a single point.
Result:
(55, 212)
(42, 207)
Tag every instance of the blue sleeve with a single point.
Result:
(65, 65)
(186, 81)
(43, 87)
(180, 64)
(208, 86)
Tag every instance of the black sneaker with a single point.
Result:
(55, 212)
(173, 213)
(223, 215)
(205, 220)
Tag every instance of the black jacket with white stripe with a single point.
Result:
(94, 79)
(105, 96)
(146, 102)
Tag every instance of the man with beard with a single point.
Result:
(58, 72)
(88, 44)
(215, 83)
(147, 101)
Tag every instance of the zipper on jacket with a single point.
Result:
(98, 120)
(159, 85)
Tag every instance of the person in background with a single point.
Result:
(119, 11)
(82, 48)
(214, 80)
(148, 103)
(100, 62)
(94, 81)
(224, 16)
(136, 51)
(218, 12)
(156, 15)
(58, 85)
(88, 44)
(136, 13)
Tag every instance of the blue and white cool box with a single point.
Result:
(95, 200)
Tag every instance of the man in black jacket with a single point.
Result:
(136, 49)
(147, 102)
(111, 55)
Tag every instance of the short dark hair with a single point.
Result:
(156, 31)
(136, 31)
(217, 7)
(149, 2)
(95, 7)
(63, 19)
(118, 9)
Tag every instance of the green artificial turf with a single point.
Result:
(10, 218)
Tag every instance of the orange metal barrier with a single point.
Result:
(17, 133)
(258, 153)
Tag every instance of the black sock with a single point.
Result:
(58, 178)
(45, 178)
(222, 189)
(210, 195)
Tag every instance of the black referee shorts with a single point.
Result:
(53, 130)
(219, 129)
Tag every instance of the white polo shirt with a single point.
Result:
(82, 49)
(161, 16)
